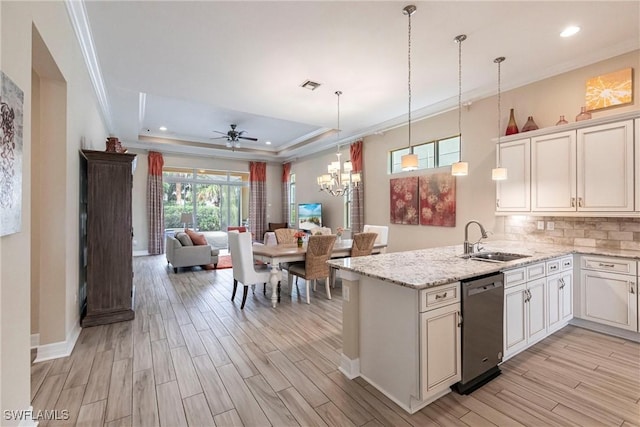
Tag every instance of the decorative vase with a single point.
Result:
(512, 127)
(562, 121)
(299, 242)
(584, 114)
(530, 125)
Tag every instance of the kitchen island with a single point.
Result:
(401, 313)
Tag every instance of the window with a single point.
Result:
(293, 212)
(216, 199)
(432, 154)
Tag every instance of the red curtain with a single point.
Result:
(257, 199)
(155, 211)
(357, 195)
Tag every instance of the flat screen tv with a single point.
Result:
(309, 216)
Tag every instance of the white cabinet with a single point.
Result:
(525, 307)
(605, 168)
(553, 172)
(559, 293)
(513, 194)
(608, 292)
(440, 361)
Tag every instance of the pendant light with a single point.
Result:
(409, 161)
(499, 173)
(460, 168)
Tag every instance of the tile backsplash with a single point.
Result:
(614, 233)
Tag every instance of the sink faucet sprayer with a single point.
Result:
(468, 247)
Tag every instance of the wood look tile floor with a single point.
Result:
(192, 357)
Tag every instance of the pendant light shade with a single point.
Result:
(409, 162)
(460, 169)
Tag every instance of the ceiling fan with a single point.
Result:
(233, 136)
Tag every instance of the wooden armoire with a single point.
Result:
(106, 265)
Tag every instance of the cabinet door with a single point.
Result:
(566, 297)
(536, 311)
(440, 356)
(554, 302)
(609, 299)
(605, 167)
(553, 172)
(513, 194)
(515, 320)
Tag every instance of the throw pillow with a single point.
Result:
(198, 239)
(184, 239)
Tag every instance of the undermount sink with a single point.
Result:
(495, 256)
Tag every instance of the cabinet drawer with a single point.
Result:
(514, 277)
(614, 265)
(439, 296)
(566, 263)
(536, 271)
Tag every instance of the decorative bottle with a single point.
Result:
(562, 121)
(530, 125)
(584, 114)
(512, 127)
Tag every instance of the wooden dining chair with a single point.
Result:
(285, 235)
(244, 269)
(315, 265)
(363, 244)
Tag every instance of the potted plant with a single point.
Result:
(299, 235)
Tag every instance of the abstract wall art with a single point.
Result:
(609, 90)
(11, 104)
(438, 200)
(403, 200)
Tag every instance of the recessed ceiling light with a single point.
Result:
(569, 31)
(163, 128)
(268, 142)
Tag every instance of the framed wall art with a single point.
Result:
(609, 90)
(403, 200)
(11, 105)
(438, 200)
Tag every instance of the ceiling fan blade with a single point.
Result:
(247, 138)
(220, 137)
(222, 133)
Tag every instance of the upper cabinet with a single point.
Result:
(583, 171)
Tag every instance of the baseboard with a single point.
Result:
(349, 367)
(35, 340)
(605, 329)
(58, 349)
(141, 253)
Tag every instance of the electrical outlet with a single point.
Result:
(345, 293)
(551, 225)
(540, 225)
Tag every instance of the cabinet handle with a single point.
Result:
(497, 203)
(573, 202)
(580, 201)
(438, 296)
(459, 319)
(527, 295)
(631, 289)
(606, 265)
(561, 283)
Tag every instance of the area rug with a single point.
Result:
(224, 261)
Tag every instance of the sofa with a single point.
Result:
(183, 252)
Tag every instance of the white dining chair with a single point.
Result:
(244, 269)
(383, 234)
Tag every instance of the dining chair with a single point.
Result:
(363, 244)
(383, 234)
(321, 231)
(315, 265)
(244, 269)
(285, 235)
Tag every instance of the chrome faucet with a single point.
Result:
(468, 247)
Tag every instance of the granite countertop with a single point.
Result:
(424, 268)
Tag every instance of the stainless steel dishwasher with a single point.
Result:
(482, 314)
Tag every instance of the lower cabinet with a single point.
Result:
(524, 316)
(560, 300)
(440, 361)
(609, 298)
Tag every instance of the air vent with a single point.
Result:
(310, 85)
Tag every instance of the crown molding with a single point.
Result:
(80, 23)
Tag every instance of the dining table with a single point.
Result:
(291, 252)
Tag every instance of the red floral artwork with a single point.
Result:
(404, 200)
(438, 200)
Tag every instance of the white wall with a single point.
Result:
(140, 223)
(83, 123)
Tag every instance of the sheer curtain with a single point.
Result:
(286, 212)
(258, 199)
(154, 204)
(357, 195)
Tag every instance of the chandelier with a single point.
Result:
(340, 179)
